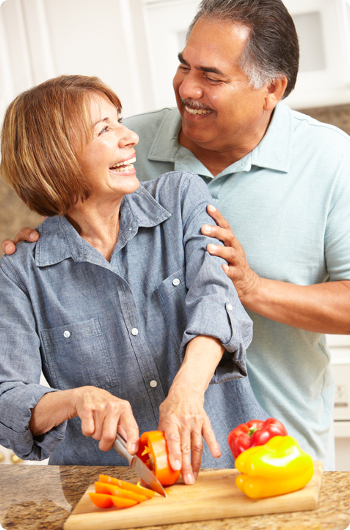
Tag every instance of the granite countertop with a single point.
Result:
(42, 497)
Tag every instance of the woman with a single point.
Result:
(118, 303)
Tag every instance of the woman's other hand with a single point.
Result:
(101, 414)
(25, 234)
(182, 416)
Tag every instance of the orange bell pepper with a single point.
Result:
(136, 488)
(111, 489)
(103, 500)
(153, 451)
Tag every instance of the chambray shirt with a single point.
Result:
(121, 325)
(288, 204)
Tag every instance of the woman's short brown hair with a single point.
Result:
(40, 125)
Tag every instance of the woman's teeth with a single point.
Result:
(125, 165)
(197, 111)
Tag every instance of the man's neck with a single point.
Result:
(218, 160)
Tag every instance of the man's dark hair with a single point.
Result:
(272, 49)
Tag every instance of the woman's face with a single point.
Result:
(106, 160)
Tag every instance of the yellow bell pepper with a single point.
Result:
(280, 466)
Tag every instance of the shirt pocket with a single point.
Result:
(77, 355)
(171, 295)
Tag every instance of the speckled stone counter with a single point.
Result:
(42, 497)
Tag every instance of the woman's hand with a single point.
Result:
(182, 416)
(245, 280)
(25, 234)
(185, 423)
(101, 414)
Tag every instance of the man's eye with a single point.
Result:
(184, 68)
(211, 80)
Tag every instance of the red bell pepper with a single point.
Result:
(253, 433)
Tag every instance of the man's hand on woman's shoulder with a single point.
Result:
(25, 234)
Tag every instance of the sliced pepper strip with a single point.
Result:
(280, 466)
(122, 502)
(111, 489)
(127, 485)
(153, 451)
(101, 500)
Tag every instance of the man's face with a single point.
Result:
(219, 109)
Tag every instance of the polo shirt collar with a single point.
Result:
(273, 152)
(59, 240)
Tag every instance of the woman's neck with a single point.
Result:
(97, 223)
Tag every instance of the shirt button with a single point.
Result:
(130, 228)
(176, 281)
(153, 383)
(229, 307)
(66, 334)
(134, 331)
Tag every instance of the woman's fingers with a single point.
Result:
(102, 414)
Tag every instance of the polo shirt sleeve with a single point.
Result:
(20, 371)
(337, 232)
(212, 304)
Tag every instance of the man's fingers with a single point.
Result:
(217, 216)
(26, 234)
(8, 247)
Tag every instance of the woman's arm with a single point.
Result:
(101, 414)
(321, 308)
(182, 416)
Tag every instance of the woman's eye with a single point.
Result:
(105, 129)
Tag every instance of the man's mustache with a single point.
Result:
(192, 104)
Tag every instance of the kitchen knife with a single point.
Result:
(138, 466)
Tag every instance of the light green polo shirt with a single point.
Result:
(288, 203)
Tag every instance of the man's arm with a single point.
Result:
(321, 308)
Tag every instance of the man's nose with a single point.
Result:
(190, 87)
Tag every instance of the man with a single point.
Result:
(280, 179)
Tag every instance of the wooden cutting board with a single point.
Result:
(213, 496)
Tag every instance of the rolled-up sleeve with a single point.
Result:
(212, 304)
(20, 371)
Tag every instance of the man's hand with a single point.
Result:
(245, 280)
(25, 234)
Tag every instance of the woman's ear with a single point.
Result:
(274, 92)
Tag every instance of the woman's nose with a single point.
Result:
(129, 138)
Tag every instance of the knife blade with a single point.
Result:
(138, 466)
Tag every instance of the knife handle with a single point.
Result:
(120, 446)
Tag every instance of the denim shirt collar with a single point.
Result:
(59, 240)
(273, 152)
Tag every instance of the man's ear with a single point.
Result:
(274, 93)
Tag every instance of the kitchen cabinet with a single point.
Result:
(38, 497)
